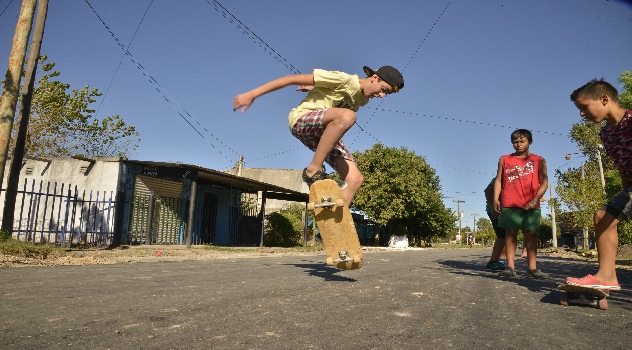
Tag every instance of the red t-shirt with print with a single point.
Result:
(520, 181)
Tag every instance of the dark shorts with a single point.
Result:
(309, 128)
(500, 232)
(620, 206)
(519, 219)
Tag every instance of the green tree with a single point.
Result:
(485, 231)
(284, 228)
(402, 192)
(625, 98)
(581, 195)
(545, 230)
(61, 122)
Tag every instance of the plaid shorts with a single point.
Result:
(620, 206)
(309, 128)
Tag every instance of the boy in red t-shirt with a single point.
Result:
(521, 181)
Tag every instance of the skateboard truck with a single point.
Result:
(343, 256)
(583, 296)
(325, 202)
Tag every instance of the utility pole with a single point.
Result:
(23, 118)
(584, 229)
(240, 165)
(553, 223)
(458, 212)
(13, 78)
(603, 180)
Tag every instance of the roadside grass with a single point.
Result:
(306, 249)
(10, 246)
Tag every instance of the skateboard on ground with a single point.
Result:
(583, 296)
(335, 224)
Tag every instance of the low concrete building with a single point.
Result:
(119, 201)
(286, 178)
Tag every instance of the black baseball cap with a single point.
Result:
(389, 74)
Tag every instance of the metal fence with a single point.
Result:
(61, 214)
(245, 226)
(52, 213)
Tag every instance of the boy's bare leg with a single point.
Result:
(607, 241)
(499, 246)
(350, 173)
(510, 246)
(503, 253)
(531, 249)
(337, 121)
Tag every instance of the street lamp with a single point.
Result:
(601, 176)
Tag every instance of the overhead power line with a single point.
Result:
(250, 34)
(123, 58)
(465, 121)
(188, 118)
(5, 8)
(405, 66)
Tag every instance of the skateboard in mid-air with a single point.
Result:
(583, 296)
(334, 221)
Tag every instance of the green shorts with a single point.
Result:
(519, 219)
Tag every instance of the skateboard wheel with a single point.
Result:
(340, 202)
(330, 261)
(603, 304)
(563, 300)
(357, 259)
(311, 206)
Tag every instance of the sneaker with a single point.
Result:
(494, 266)
(503, 262)
(321, 175)
(538, 274)
(591, 282)
(507, 272)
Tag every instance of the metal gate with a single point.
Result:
(245, 222)
(157, 220)
(208, 220)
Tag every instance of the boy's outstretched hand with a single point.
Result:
(304, 88)
(242, 100)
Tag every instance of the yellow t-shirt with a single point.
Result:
(332, 89)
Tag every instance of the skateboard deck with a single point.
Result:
(583, 296)
(335, 224)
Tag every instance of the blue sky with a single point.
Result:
(474, 71)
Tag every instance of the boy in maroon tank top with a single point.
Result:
(597, 101)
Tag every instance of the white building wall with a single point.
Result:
(286, 178)
(47, 184)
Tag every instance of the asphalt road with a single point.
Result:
(421, 299)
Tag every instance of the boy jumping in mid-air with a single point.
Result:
(325, 115)
(598, 101)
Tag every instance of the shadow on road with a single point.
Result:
(558, 268)
(325, 272)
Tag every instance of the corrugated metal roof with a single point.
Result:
(210, 176)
